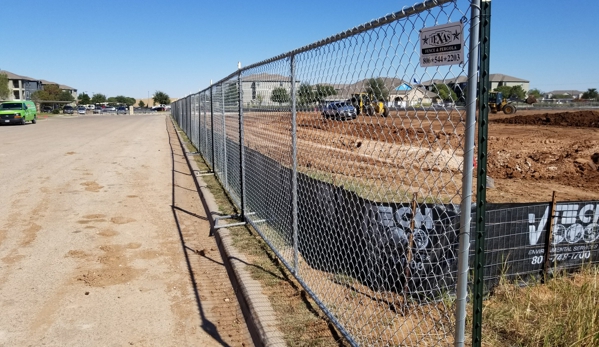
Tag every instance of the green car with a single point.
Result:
(18, 111)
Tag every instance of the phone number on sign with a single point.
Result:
(561, 257)
(442, 59)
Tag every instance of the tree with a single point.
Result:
(260, 98)
(98, 98)
(131, 101)
(516, 92)
(4, 90)
(232, 93)
(83, 99)
(141, 103)
(444, 92)
(591, 93)
(122, 100)
(161, 98)
(324, 90)
(305, 94)
(112, 101)
(279, 95)
(52, 92)
(376, 89)
(65, 96)
(536, 93)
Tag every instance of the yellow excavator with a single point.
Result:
(498, 103)
(365, 104)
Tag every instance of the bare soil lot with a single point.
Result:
(531, 154)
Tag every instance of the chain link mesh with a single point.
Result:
(352, 171)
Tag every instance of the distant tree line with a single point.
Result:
(590, 94)
(99, 98)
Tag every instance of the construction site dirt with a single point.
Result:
(530, 154)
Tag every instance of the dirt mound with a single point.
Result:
(588, 119)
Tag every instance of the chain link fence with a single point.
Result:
(353, 162)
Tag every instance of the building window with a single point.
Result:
(15, 84)
(16, 95)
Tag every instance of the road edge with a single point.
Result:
(257, 310)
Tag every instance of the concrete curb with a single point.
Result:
(259, 315)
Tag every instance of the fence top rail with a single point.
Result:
(403, 13)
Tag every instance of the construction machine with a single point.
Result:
(369, 106)
(498, 103)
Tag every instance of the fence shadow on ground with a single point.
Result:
(176, 150)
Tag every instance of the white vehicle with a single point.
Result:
(91, 107)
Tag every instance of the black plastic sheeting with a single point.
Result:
(340, 232)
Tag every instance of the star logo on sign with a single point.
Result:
(425, 40)
(456, 35)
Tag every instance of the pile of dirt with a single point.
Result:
(587, 119)
(569, 158)
(573, 164)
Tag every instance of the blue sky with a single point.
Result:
(133, 48)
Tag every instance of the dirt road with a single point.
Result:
(104, 241)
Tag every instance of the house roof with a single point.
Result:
(568, 92)
(494, 77)
(498, 77)
(14, 76)
(424, 92)
(454, 80)
(266, 77)
(60, 86)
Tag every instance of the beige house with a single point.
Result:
(499, 80)
(407, 95)
(257, 89)
(568, 94)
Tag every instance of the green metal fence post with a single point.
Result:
(481, 174)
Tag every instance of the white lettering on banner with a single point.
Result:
(533, 234)
(569, 223)
(402, 215)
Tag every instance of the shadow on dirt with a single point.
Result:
(176, 151)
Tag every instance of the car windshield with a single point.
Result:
(11, 106)
(341, 104)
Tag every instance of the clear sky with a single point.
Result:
(132, 47)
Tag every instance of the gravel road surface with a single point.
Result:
(104, 241)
